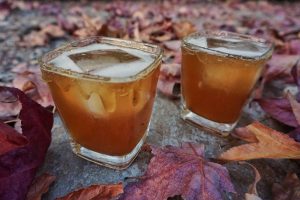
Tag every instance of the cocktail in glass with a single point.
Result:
(104, 90)
(219, 71)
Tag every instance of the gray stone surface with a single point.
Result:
(166, 128)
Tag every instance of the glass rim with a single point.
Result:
(226, 34)
(146, 47)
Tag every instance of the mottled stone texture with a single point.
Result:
(166, 128)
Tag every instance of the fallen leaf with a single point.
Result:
(295, 134)
(92, 27)
(41, 37)
(40, 186)
(295, 45)
(252, 197)
(295, 74)
(8, 111)
(252, 193)
(169, 80)
(53, 30)
(10, 139)
(9, 107)
(34, 39)
(30, 81)
(183, 29)
(20, 161)
(172, 45)
(164, 36)
(271, 144)
(280, 67)
(170, 88)
(68, 23)
(157, 32)
(244, 134)
(289, 189)
(279, 109)
(295, 107)
(95, 192)
(171, 70)
(180, 171)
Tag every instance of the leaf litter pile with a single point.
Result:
(29, 29)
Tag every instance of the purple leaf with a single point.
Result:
(180, 171)
(19, 162)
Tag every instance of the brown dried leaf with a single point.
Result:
(171, 70)
(164, 36)
(170, 88)
(173, 45)
(54, 31)
(169, 80)
(252, 192)
(252, 197)
(244, 134)
(41, 37)
(32, 84)
(92, 27)
(183, 28)
(289, 189)
(271, 144)
(95, 192)
(40, 186)
(34, 39)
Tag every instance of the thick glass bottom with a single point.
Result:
(114, 162)
(222, 129)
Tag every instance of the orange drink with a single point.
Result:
(219, 71)
(104, 91)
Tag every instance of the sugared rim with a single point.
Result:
(149, 48)
(225, 34)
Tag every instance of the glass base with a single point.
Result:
(114, 162)
(222, 129)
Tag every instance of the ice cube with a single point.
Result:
(101, 59)
(233, 46)
(141, 95)
(64, 83)
(87, 87)
(140, 98)
(105, 60)
(95, 105)
(108, 98)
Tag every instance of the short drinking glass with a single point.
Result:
(104, 90)
(219, 71)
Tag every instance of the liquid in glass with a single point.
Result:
(219, 71)
(104, 91)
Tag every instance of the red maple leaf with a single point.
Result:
(180, 171)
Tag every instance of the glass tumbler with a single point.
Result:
(219, 72)
(104, 89)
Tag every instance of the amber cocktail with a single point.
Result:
(219, 71)
(104, 90)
